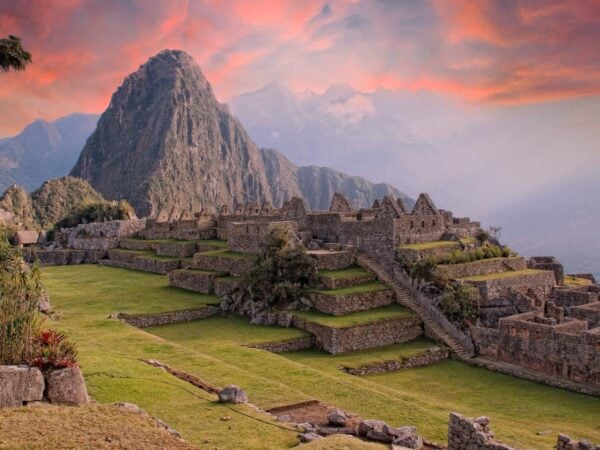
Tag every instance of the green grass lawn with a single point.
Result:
(350, 272)
(84, 296)
(429, 245)
(500, 275)
(223, 331)
(229, 254)
(356, 318)
(373, 286)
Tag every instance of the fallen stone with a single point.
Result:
(337, 418)
(309, 437)
(285, 418)
(379, 436)
(233, 394)
(66, 387)
(370, 425)
(409, 438)
(44, 304)
(20, 384)
(328, 431)
(307, 426)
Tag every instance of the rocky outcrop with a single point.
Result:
(165, 141)
(47, 205)
(233, 394)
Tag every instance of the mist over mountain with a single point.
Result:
(478, 161)
(561, 220)
(43, 150)
(472, 159)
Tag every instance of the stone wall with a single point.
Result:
(338, 283)
(590, 313)
(176, 249)
(481, 267)
(432, 356)
(416, 254)
(472, 434)
(341, 340)
(234, 265)
(548, 263)
(512, 294)
(333, 260)
(224, 285)
(339, 305)
(573, 296)
(486, 341)
(62, 256)
(290, 345)
(564, 349)
(152, 320)
(251, 236)
(194, 280)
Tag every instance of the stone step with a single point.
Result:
(332, 260)
(361, 297)
(404, 297)
(201, 281)
(225, 261)
(352, 276)
(481, 267)
(360, 331)
(143, 260)
(137, 244)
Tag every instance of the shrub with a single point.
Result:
(282, 273)
(96, 212)
(20, 293)
(54, 351)
(482, 236)
(506, 251)
(460, 303)
(423, 270)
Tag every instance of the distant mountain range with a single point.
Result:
(43, 150)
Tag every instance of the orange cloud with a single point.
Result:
(483, 51)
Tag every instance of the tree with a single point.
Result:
(12, 55)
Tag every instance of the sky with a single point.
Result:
(492, 53)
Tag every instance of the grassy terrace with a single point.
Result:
(147, 254)
(373, 286)
(394, 352)
(228, 254)
(570, 280)
(429, 245)
(502, 275)
(84, 296)
(224, 331)
(350, 272)
(356, 318)
(215, 242)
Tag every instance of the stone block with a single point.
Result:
(66, 387)
(19, 385)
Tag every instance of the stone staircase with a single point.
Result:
(434, 321)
